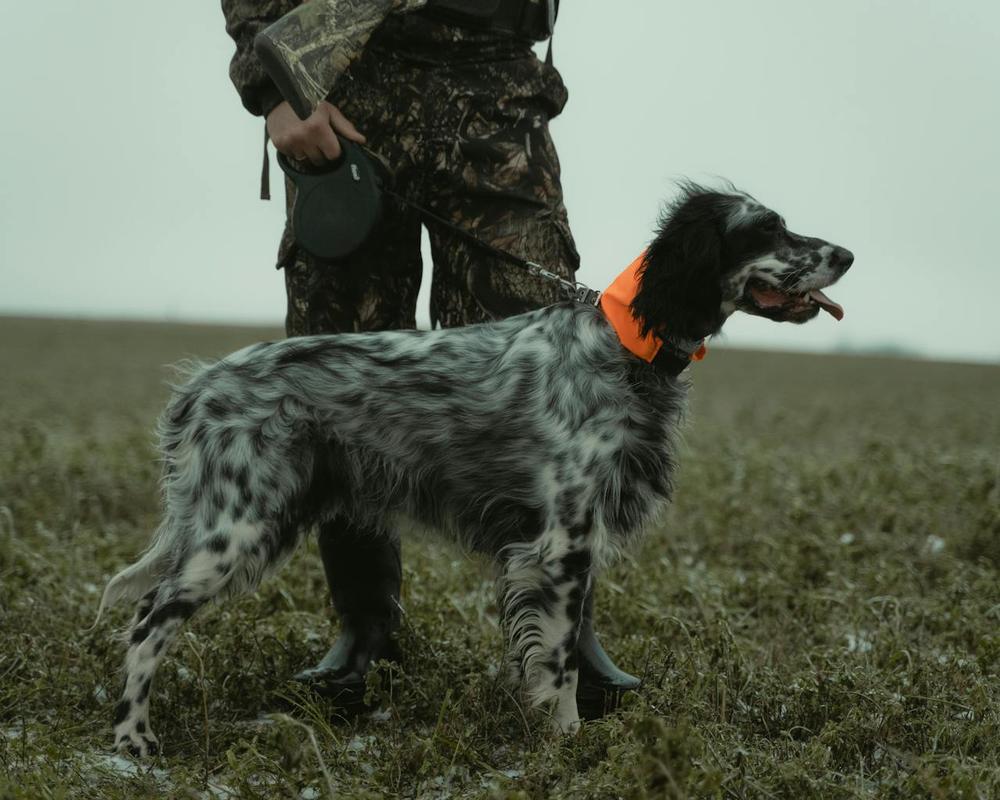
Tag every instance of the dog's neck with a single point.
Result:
(668, 354)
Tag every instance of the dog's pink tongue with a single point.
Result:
(834, 309)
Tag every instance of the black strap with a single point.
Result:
(670, 362)
(462, 232)
(534, 20)
(675, 354)
(572, 289)
(265, 171)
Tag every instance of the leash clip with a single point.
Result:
(574, 290)
(584, 294)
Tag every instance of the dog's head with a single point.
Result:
(716, 253)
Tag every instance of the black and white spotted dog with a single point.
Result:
(538, 440)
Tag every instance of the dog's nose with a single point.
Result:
(842, 259)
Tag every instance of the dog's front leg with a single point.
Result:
(543, 589)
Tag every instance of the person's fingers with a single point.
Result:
(328, 145)
(345, 127)
(313, 140)
(278, 128)
(315, 156)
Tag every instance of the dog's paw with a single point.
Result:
(138, 745)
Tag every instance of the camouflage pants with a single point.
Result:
(467, 137)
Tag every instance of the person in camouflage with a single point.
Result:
(460, 117)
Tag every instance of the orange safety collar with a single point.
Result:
(616, 303)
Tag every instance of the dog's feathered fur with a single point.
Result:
(537, 440)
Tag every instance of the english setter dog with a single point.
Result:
(540, 440)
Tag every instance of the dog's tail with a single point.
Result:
(135, 580)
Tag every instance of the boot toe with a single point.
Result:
(599, 695)
(346, 688)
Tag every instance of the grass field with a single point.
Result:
(818, 615)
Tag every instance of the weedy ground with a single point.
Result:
(817, 616)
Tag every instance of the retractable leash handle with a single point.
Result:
(336, 205)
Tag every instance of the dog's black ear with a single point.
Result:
(680, 289)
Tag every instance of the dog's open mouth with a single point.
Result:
(777, 304)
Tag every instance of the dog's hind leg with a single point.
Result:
(219, 562)
(542, 592)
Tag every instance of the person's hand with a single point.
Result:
(310, 139)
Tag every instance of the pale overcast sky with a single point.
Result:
(131, 169)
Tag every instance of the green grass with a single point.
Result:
(818, 615)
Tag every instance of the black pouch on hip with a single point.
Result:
(533, 19)
(336, 206)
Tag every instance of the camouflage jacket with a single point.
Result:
(355, 20)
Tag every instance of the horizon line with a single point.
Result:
(894, 350)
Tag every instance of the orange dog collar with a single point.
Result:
(616, 303)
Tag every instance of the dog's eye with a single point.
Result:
(771, 223)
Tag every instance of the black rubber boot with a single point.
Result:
(364, 572)
(602, 684)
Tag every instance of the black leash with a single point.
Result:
(573, 290)
(383, 175)
(673, 357)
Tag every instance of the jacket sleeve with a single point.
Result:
(341, 26)
(244, 20)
